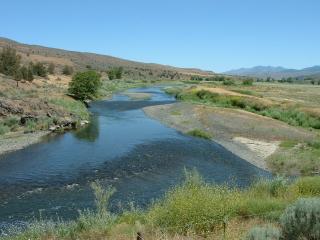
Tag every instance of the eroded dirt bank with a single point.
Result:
(250, 136)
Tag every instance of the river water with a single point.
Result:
(121, 147)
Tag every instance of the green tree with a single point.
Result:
(115, 73)
(51, 68)
(24, 72)
(9, 61)
(39, 69)
(27, 73)
(29, 76)
(85, 85)
(67, 70)
(18, 76)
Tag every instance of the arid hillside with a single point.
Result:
(82, 60)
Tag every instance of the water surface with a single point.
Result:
(122, 147)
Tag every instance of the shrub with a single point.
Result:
(228, 82)
(115, 73)
(51, 68)
(174, 91)
(199, 133)
(264, 233)
(39, 69)
(67, 70)
(9, 61)
(4, 129)
(27, 73)
(85, 85)
(207, 95)
(194, 206)
(301, 220)
(247, 82)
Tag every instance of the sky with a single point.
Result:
(215, 35)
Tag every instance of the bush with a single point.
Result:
(9, 61)
(194, 206)
(85, 85)
(4, 129)
(67, 70)
(264, 233)
(199, 133)
(301, 220)
(228, 82)
(39, 69)
(247, 82)
(115, 73)
(51, 68)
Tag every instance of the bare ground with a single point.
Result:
(248, 135)
(17, 141)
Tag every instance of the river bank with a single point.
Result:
(17, 141)
(250, 136)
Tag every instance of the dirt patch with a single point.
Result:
(18, 141)
(248, 135)
(264, 149)
(138, 96)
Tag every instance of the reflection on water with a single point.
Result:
(121, 146)
(89, 133)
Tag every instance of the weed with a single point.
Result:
(199, 133)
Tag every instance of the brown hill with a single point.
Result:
(83, 60)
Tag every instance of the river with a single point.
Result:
(121, 147)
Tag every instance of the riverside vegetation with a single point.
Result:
(282, 208)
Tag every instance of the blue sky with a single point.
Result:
(215, 35)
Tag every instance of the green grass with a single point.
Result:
(175, 113)
(290, 115)
(199, 207)
(295, 158)
(110, 87)
(9, 124)
(77, 108)
(192, 207)
(199, 133)
(288, 144)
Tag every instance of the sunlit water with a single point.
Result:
(122, 147)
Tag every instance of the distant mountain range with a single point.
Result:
(276, 72)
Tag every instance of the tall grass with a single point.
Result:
(193, 207)
(9, 124)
